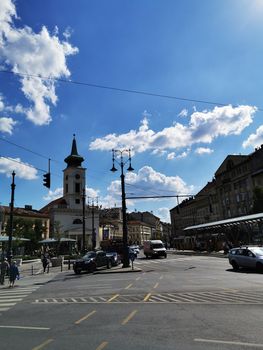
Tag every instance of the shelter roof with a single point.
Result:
(228, 222)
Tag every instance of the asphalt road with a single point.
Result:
(182, 302)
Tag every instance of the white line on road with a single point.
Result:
(228, 342)
(26, 327)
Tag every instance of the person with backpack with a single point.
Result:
(13, 274)
(45, 264)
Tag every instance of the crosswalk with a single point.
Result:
(10, 297)
(202, 297)
(161, 261)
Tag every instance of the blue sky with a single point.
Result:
(204, 50)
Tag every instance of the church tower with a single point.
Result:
(74, 178)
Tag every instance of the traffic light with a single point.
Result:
(46, 180)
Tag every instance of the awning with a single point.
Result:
(228, 222)
(6, 238)
(48, 240)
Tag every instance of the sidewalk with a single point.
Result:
(219, 254)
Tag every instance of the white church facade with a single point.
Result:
(70, 217)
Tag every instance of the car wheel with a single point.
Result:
(259, 267)
(92, 267)
(235, 265)
(77, 271)
(165, 256)
(147, 256)
(109, 265)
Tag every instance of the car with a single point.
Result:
(114, 257)
(91, 261)
(135, 249)
(247, 257)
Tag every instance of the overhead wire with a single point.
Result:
(113, 88)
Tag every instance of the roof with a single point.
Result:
(50, 205)
(74, 159)
(228, 222)
(25, 212)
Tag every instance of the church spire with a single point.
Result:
(74, 159)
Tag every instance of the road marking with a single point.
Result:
(112, 298)
(229, 342)
(128, 286)
(25, 327)
(41, 346)
(147, 297)
(156, 285)
(129, 317)
(85, 317)
(138, 278)
(161, 277)
(101, 346)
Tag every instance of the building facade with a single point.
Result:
(230, 194)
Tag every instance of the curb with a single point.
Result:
(213, 254)
(118, 270)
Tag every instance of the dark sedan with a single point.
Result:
(114, 257)
(91, 261)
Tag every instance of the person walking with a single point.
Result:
(3, 270)
(45, 263)
(13, 274)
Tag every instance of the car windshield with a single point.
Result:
(157, 245)
(257, 250)
(89, 255)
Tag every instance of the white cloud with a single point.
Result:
(183, 113)
(7, 125)
(170, 156)
(204, 150)
(148, 182)
(183, 154)
(254, 140)
(203, 127)
(52, 195)
(164, 214)
(37, 54)
(23, 170)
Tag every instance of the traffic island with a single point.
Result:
(118, 269)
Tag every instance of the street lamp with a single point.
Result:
(126, 262)
(83, 221)
(10, 233)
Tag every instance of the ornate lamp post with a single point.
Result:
(126, 262)
(83, 221)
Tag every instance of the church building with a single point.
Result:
(69, 215)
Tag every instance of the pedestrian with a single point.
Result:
(3, 270)
(13, 274)
(45, 263)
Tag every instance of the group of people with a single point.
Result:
(8, 270)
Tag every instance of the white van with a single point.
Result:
(154, 248)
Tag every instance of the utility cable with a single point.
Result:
(140, 92)
(28, 150)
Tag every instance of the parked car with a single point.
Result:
(135, 249)
(91, 261)
(114, 257)
(248, 257)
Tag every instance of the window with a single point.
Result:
(77, 176)
(77, 222)
(77, 201)
(66, 188)
(77, 187)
